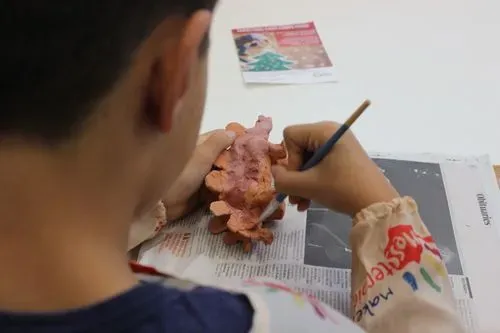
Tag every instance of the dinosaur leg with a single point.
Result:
(220, 208)
(222, 160)
(218, 224)
(263, 234)
(241, 221)
(278, 213)
(215, 181)
(231, 238)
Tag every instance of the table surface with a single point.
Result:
(431, 69)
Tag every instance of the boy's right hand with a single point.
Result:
(347, 180)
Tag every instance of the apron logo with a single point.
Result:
(404, 246)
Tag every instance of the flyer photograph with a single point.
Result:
(283, 54)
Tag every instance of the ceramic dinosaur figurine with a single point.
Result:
(243, 184)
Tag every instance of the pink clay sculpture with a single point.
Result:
(242, 183)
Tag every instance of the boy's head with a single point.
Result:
(108, 93)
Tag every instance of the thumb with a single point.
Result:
(295, 183)
(207, 152)
(199, 165)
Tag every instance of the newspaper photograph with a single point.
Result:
(458, 200)
(421, 181)
(283, 54)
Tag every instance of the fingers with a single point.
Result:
(293, 139)
(300, 139)
(294, 200)
(303, 205)
(204, 136)
(294, 183)
(310, 136)
(199, 165)
(210, 148)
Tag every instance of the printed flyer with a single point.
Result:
(284, 54)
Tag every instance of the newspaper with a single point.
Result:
(458, 199)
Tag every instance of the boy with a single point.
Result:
(101, 107)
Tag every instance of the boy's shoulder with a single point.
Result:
(184, 306)
(253, 306)
(160, 303)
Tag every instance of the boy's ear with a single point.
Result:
(170, 77)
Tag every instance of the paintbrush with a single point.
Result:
(317, 157)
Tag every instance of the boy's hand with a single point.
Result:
(184, 195)
(347, 180)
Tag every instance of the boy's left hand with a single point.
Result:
(184, 195)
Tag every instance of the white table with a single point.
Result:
(431, 69)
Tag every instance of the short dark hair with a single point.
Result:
(59, 57)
